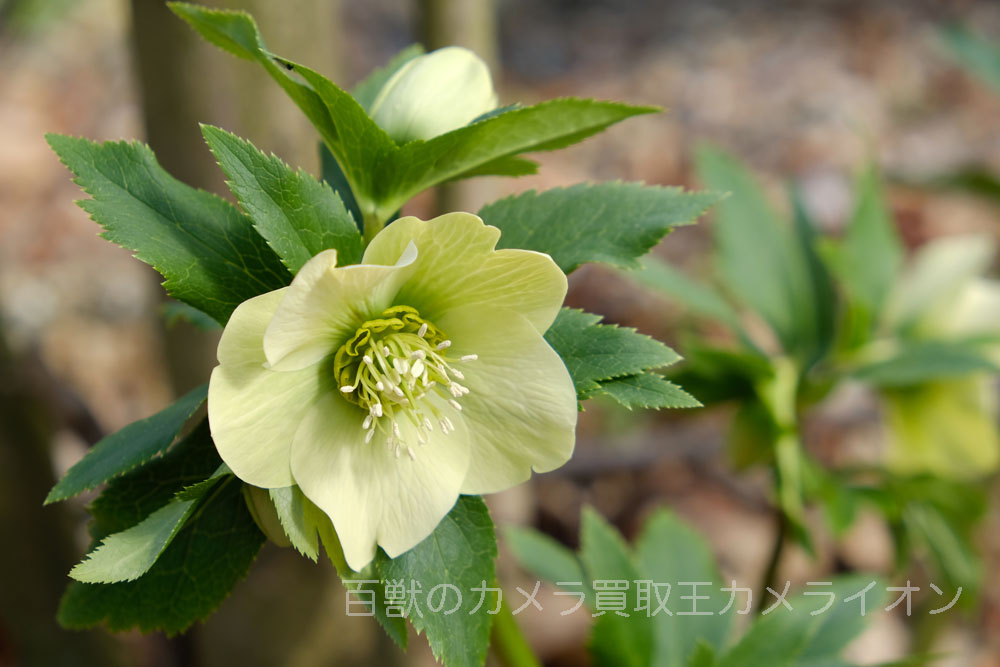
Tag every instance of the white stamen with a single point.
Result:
(397, 451)
(380, 385)
(367, 359)
(422, 331)
(451, 427)
(458, 374)
(409, 450)
(398, 392)
(369, 436)
(385, 350)
(443, 345)
(469, 357)
(455, 404)
(395, 430)
(419, 354)
(367, 422)
(444, 425)
(418, 368)
(428, 425)
(347, 389)
(377, 409)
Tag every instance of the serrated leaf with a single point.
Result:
(366, 91)
(127, 555)
(543, 127)
(799, 639)
(596, 352)
(760, 259)
(297, 215)
(669, 551)
(614, 640)
(131, 446)
(914, 362)
(206, 249)
(382, 175)
(188, 581)
(613, 223)
(647, 390)
(132, 497)
(460, 552)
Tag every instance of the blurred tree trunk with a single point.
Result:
(185, 81)
(472, 24)
(37, 545)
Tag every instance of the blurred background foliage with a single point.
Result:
(836, 312)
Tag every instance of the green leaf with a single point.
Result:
(615, 640)
(354, 139)
(460, 552)
(131, 446)
(206, 249)
(823, 296)
(382, 175)
(366, 91)
(594, 353)
(797, 638)
(128, 555)
(760, 259)
(612, 223)
(334, 176)
(978, 55)
(297, 215)
(868, 260)
(190, 579)
(698, 297)
(647, 390)
(542, 556)
(132, 497)
(703, 656)
(670, 551)
(914, 362)
(543, 127)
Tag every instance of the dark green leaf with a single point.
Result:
(596, 352)
(297, 215)
(647, 390)
(824, 297)
(129, 499)
(206, 249)
(547, 126)
(131, 446)
(189, 580)
(333, 175)
(460, 553)
(127, 555)
(612, 223)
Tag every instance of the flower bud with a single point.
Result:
(433, 94)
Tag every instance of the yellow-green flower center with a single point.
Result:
(388, 368)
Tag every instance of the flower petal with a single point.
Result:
(521, 410)
(325, 304)
(254, 412)
(370, 495)
(457, 266)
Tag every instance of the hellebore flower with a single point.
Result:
(946, 427)
(386, 389)
(433, 94)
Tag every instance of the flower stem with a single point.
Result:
(509, 645)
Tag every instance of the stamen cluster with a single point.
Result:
(390, 366)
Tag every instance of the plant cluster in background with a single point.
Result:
(813, 317)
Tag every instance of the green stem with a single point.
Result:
(771, 571)
(509, 645)
(373, 224)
